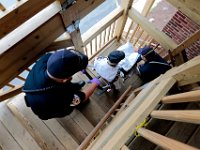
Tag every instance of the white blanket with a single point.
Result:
(130, 56)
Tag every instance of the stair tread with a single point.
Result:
(19, 133)
(46, 137)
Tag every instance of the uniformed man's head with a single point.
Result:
(146, 52)
(65, 63)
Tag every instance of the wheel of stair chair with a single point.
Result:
(107, 87)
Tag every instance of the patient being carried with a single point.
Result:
(121, 59)
(107, 67)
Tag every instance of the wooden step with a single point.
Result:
(77, 125)
(17, 131)
(48, 134)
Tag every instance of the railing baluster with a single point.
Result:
(129, 29)
(134, 32)
(108, 36)
(140, 34)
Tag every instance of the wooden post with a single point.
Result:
(190, 116)
(126, 5)
(163, 141)
(183, 97)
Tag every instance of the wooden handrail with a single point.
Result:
(186, 43)
(163, 141)
(103, 120)
(101, 26)
(158, 35)
(190, 116)
(183, 97)
(10, 93)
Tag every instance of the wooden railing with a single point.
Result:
(131, 119)
(101, 34)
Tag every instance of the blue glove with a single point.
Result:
(95, 80)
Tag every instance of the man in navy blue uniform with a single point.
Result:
(48, 87)
(150, 64)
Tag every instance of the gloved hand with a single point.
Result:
(83, 71)
(95, 80)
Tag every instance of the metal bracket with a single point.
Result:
(67, 4)
(74, 26)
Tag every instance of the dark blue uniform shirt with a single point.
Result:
(154, 67)
(47, 98)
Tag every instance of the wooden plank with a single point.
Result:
(125, 5)
(187, 73)
(2, 8)
(124, 147)
(101, 26)
(121, 129)
(36, 127)
(158, 35)
(156, 125)
(103, 120)
(7, 142)
(73, 128)
(194, 140)
(63, 136)
(190, 116)
(182, 131)
(33, 46)
(82, 121)
(188, 7)
(28, 27)
(186, 43)
(147, 7)
(80, 9)
(22, 13)
(29, 49)
(77, 40)
(10, 93)
(163, 141)
(182, 97)
(61, 42)
(15, 128)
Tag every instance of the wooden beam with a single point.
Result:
(61, 42)
(10, 93)
(80, 9)
(190, 116)
(22, 13)
(29, 49)
(77, 40)
(192, 96)
(188, 7)
(2, 8)
(187, 73)
(147, 7)
(122, 128)
(101, 26)
(25, 29)
(162, 141)
(185, 44)
(158, 35)
(125, 5)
